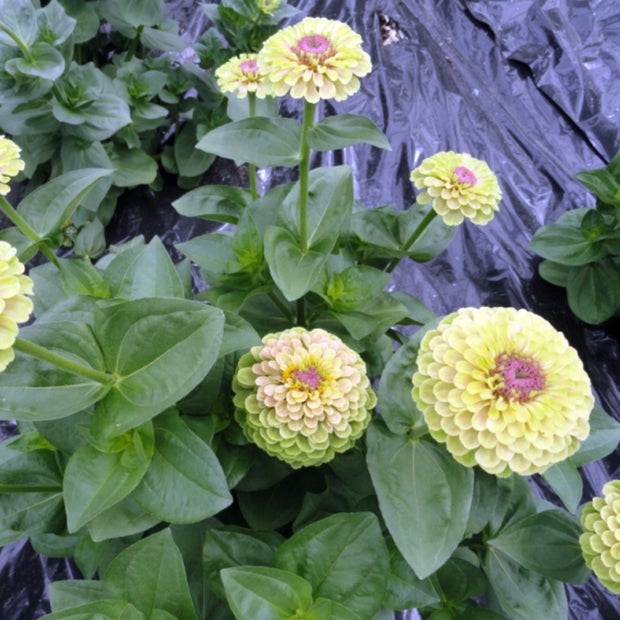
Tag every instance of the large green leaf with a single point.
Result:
(546, 542)
(102, 118)
(185, 482)
(151, 575)
(337, 132)
(323, 609)
(49, 206)
(603, 438)
(344, 557)
(44, 61)
(424, 496)
(262, 593)
(36, 390)
(159, 349)
(593, 291)
(220, 203)
(131, 166)
(19, 18)
(261, 141)
(565, 244)
(96, 480)
(105, 609)
(564, 478)
(523, 594)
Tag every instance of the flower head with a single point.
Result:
(268, 6)
(15, 307)
(10, 163)
(503, 390)
(303, 396)
(600, 541)
(242, 74)
(459, 186)
(317, 58)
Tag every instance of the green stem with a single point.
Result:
(252, 111)
(25, 228)
(22, 46)
(415, 235)
(34, 350)
(304, 172)
(133, 46)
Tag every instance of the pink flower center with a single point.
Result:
(521, 376)
(250, 65)
(465, 175)
(313, 44)
(311, 377)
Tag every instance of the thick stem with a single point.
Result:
(415, 235)
(10, 211)
(304, 172)
(34, 350)
(252, 111)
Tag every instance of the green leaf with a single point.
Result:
(426, 537)
(36, 390)
(162, 40)
(603, 439)
(238, 335)
(565, 244)
(514, 501)
(135, 12)
(107, 609)
(565, 479)
(459, 580)
(153, 372)
(256, 592)
(102, 118)
(434, 239)
(144, 271)
(185, 482)
(483, 503)
(49, 206)
(131, 166)
(354, 286)
(229, 546)
(55, 24)
(523, 594)
(338, 132)
(324, 609)
(593, 291)
(95, 480)
(18, 17)
(344, 557)
(602, 183)
(68, 594)
(259, 140)
(152, 576)
(220, 203)
(546, 542)
(190, 161)
(82, 278)
(555, 273)
(293, 270)
(44, 62)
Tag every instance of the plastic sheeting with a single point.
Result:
(530, 86)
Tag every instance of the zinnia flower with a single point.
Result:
(317, 58)
(242, 74)
(268, 6)
(459, 186)
(600, 541)
(10, 163)
(503, 390)
(15, 307)
(303, 396)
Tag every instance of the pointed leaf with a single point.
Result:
(220, 203)
(338, 132)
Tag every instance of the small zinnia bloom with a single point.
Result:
(459, 186)
(303, 396)
(317, 58)
(268, 6)
(503, 389)
(15, 307)
(242, 74)
(10, 163)
(600, 541)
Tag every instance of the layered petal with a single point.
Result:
(242, 75)
(10, 163)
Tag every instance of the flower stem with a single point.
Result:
(252, 112)
(415, 235)
(304, 172)
(34, 350)
(10, 211)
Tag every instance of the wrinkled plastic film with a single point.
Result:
(532, 87)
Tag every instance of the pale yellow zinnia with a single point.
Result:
(317, 58)
(600, 541)
(303, 396)
(503, 389)
(10, 163)
(242, 75)
(459, 186)
(15, 307)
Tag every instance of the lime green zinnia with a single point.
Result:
(303, 396)
(10, 163)
(242, 75)
(459, 186)
(15, 307)
(503, 390)
(317, 58)
(600, 541)
(268, 6)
